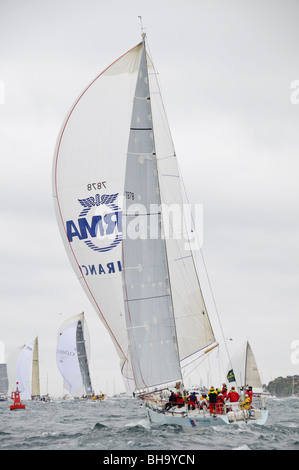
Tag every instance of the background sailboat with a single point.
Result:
(72, 356)
(245, 369)
(35, 380)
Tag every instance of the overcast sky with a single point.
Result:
(226, 70)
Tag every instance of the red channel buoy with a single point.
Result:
(15, 396)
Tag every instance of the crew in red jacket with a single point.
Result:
(224, 390)
(219, 403)
(249, 393)
(233, 395)
(179, 400)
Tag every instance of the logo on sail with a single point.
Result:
(103, 231)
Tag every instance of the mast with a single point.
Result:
(141, 27)
(23, 367)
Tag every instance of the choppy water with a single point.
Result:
(123, 425)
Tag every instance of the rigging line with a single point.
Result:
(141, 25)
(182, 257)
(198, 361)
(169, 175)
(137, 214)
(147, 298)
(164, 158)
(141, 128)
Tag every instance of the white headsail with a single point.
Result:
(245, 368)
(23, 369)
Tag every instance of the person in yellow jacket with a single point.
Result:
(212, 399)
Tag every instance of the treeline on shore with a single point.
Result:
(284, 386)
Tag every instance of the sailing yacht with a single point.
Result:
(115, 183)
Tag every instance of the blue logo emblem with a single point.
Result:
(105, 228)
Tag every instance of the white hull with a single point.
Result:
(203, 419)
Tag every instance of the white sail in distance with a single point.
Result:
(71, 356)
(245, 368)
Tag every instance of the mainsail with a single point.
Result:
(115, 178)
(148, 302)
(71, 356)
